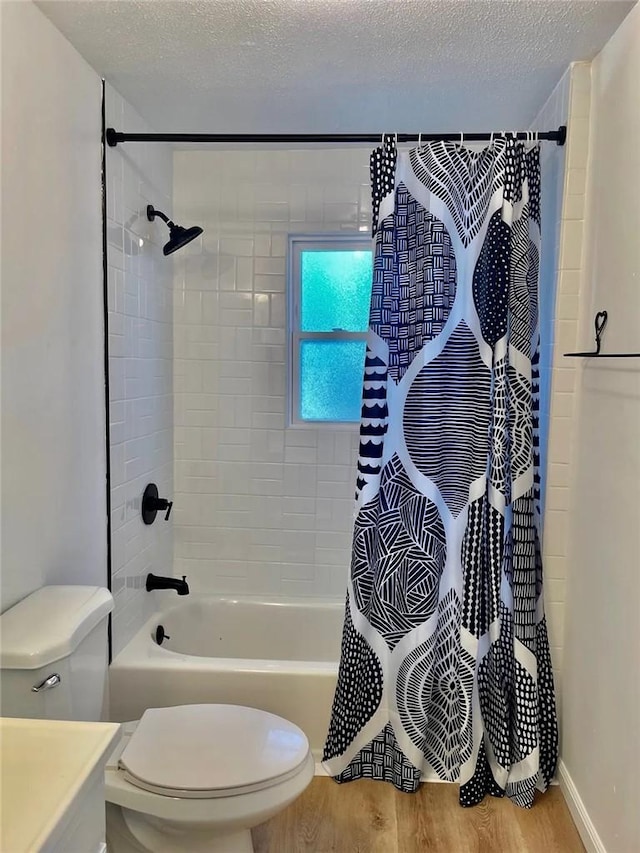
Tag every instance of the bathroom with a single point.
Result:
(197, 361)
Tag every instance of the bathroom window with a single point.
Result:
(329, 290)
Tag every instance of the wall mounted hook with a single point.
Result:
(600, 323)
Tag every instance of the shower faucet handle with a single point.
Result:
(162, 504)
(152, 504)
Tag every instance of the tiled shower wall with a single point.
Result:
(260, 509)
(140, 364)
(563, 197)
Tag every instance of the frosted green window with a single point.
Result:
(329, 295)
(336, 289)
(331, 380)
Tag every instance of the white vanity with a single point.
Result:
(52, 785)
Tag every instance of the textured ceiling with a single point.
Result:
(335, 65)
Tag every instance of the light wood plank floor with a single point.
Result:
(372, 817)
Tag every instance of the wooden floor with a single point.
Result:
(372, 817)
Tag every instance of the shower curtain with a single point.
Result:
(445, 664)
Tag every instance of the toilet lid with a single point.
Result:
(209, 750)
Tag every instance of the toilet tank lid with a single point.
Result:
(50, 624)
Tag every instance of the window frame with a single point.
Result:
(298, 243)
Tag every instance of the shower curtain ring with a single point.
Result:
(420, 140)
(461, 138)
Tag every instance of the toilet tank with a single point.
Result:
(56, 640)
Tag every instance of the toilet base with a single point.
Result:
(149, 839)
(237, 842)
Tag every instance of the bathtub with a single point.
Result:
(280, 656)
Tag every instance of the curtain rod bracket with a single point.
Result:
(111, 136)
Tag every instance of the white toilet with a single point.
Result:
(187, 778)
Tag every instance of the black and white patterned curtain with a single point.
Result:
(445, 665)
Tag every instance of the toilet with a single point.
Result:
(188, 779)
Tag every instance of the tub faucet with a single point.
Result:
(156, 582)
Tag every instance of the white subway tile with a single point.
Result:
(557, 498)
(244, 273)
(332, 556)
(556, 528)
(304, 455)
(566, 340)
(270, 266)
(555, 623)
(580, 103)
(571, 247)
(279, 246)
(554, 590)
(299, 521)
(569, 281)
(562, 405)
(564, 379)
(299, 588)
(559, 474)
(261, 309)
(574, 207)
(576, 181)
(578, 138)
(554, 567)
(560, 440)
(567, 306)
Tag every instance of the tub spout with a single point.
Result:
(157, 582)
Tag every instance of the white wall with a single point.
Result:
(140, 282)
(53, 421)
(259, 509)
(601, 745)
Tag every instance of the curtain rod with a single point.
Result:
(115, 137)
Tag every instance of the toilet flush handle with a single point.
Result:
(47, 684)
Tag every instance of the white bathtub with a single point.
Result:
(278, 656)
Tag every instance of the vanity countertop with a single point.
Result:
(44, 765)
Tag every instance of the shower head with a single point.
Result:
(178, 236)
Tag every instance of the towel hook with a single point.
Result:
(599, 324)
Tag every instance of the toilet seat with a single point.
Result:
(211, 751)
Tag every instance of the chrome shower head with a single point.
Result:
(178, 236)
